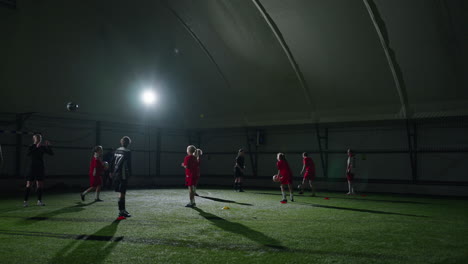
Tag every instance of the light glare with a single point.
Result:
(148, 97)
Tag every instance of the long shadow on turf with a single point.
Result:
(242, 230)
(45, 216)
(224, 201)
(373, 200)
(90, 249)
(107, 235)
(357, 210)
(349, 198)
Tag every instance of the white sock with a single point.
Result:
(194, 189)
(284, 195)
(85, 192)
(291, 196)
(192, 201)
(97, 195)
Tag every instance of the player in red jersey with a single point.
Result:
(285, 176)
(96, 170)
(350, 168)
(308, 169)
(191, 171)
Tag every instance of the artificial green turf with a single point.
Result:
(256, 229)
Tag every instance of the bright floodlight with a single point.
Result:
(148, 97)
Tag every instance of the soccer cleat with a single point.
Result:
(40, 203)
(241, 190)
(82, 197)
(191, 205)
(25, 204)
(98, 200)
(292, 199)
(301, 192)
(121, 218)
(124, 213)
(127, 214)
(196, 194)
(284, 201)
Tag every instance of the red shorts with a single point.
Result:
(195, 180)
(95, 181)
(309, 175)
(190, 180)
(350, 176)
(285, 180)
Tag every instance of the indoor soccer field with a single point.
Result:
(146, 103)
(373, 228)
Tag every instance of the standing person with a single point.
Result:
(107, 180)
(308, 168)
(350, 169)
(121, 169)
(285, 176)
(96, 169)
(36, 170)
(239, 169)
(191, 169)
(197, 154)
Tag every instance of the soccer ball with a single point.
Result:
(299, 186)
(106, 165)
(276, 178)
(71, 106)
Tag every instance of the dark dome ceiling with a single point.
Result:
(236, 62)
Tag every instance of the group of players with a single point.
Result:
(120, 169)
(284, 176)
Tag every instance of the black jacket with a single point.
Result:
(121, 164)
(37, 158)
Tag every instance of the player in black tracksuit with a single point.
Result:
(121, 169)
(239, 168)
(36, 170)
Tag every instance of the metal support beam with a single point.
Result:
(326, 153)
(158, 151)
(253, 156)
(199, 139)
(397, 74)
(98, 133)
(149, 148)
(197, 40)
(19, 144)
(323, 152)
(411, 129)
(292, 61)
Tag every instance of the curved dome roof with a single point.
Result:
(236, 63)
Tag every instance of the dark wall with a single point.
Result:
(383, 155)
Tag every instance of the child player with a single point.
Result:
(350, 167)
(197, 154)
(191, 170)
(285, 176)
(36, 170)
(96, 169)
(308, 170)
(121, 170)
(239, 169)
